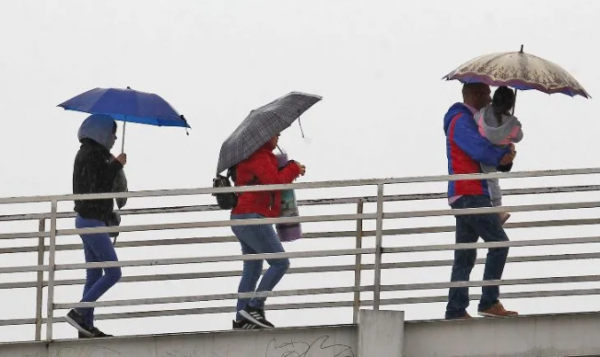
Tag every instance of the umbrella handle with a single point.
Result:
(301, 130)
(516, 90)
(123, 138)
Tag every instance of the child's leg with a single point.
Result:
(496, 198)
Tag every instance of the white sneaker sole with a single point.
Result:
(484, 314)
(251, 318)
(78, 327)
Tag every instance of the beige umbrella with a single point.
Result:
(518, 70)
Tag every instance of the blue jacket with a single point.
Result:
(466, 150)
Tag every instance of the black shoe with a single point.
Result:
(256, 316)
(76, 320)
(97, 333)
(244, 324)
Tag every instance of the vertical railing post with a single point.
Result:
(51, 268)
(39, 292)
(378, 249)
(358, 262)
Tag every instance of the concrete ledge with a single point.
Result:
(379, 333)
(525, 336)
(325, 341)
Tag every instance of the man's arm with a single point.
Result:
(467, 137)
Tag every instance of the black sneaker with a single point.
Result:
(76, 320)
(244, 324)
(256, 316)
(97, 333)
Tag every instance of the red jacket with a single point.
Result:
(262, 167)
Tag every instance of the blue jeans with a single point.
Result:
(468, 230)
(258, 239)
(97, 248)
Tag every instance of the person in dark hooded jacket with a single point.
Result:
(94, 171)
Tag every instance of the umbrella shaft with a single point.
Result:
(123, 138)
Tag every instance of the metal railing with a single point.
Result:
(47, 242)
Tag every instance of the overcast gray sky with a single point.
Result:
(377, 65)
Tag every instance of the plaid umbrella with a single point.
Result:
(261, 125)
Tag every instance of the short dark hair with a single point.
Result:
(469, 88)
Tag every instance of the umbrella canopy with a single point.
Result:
(518, 70)
(261, 125)
(127, 105)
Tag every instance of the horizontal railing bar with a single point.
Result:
(220, 310)
(24, 235)
(214, 224)
(180, 276)
(511, 295)
(309, 202)
(444, 195)
(479, 283)
(322, 291)
(23, 269)
(510, 259)
(179, 312)
(312, 305)
(482, 245)
(310, 235)
(336, 304)
(324, 253)
(213, 259)
(306, 270)
(393, 301)
(191, 225)
(297, 186)
(211, 310)
(215, 297)
(488, 210)
(320, 218)
(15, 322)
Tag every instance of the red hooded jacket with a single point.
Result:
(261, 169)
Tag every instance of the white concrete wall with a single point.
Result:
(379, 334)
(309, 342)
(526, 336)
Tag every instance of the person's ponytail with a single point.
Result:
(503, 102)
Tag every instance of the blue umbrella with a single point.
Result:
(127, 105)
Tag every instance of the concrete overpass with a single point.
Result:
(359, 285)
(378, 333)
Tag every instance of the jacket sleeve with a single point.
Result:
(267, 172)
(467, 137)
(519, 135)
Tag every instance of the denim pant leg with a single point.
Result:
(464, 261)
(92, 275)
(263, 239)
(250, 275)
(99, 247)
(489, 228)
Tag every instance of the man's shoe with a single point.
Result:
(256, 316)
(497, 310)
(466, 316)
(76, 320)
